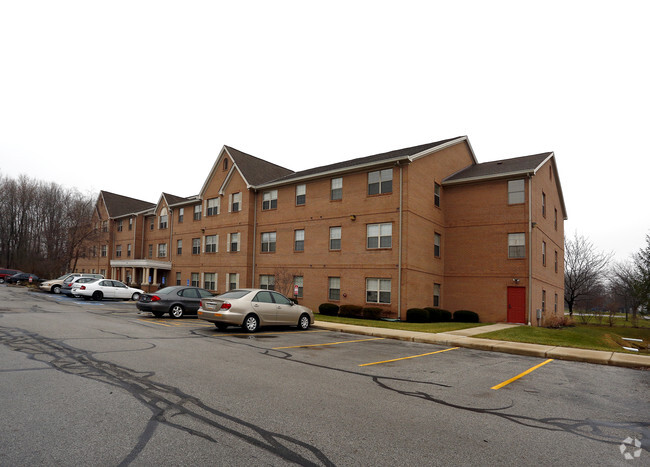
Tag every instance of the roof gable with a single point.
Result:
(253, 170)
(118, 205)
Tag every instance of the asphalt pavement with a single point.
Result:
(465, 338)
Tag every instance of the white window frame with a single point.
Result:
(380, 182)
(234, 202)
(516, 245)
(234, 239)
(212, 206)
(210, 284)
(268, 243)
(301, 191)
(269, 200)
(336, 233)
(211, 244)
(334, 288)
(380, 232)
(381, 287)
(336, 189)
(299, 240)
(517, 191)
(162, 250)
(267, 281)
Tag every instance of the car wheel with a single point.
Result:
(251, 323)
(56, 289)
(97, 295)
(2, 281)
(303, 322)
(176, 311)
(158, 314)
(135, 297)
(221, 326)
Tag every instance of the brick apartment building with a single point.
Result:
(415, 227)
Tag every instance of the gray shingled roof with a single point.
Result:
(255, 170)
(497, 169)
(362, 161)
(118, 205)
(173, 199)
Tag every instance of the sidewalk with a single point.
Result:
(463, 338)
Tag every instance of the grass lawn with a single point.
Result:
(418, 327)
(583, 336)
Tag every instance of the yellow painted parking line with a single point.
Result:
(250, 334)
(406, 358)
(328, 343)
(155, 322)
(530, 370)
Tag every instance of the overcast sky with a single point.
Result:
(138, 97)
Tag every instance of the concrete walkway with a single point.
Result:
(463, 338)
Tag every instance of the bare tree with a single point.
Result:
(642, 266)
(284, 281)
(584, 269)
(623, 280)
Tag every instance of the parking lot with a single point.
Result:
(163, 386)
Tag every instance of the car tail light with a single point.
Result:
(83, 287)
(225, 306)
(155, 298)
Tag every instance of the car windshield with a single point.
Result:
(234, 294)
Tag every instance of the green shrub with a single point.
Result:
(465, 316)
(329, 309)
(438, 315)
(351, 311)
(372, 312)
(417, 315)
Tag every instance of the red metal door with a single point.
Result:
(517, 305)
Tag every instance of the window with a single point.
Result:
(197, 212)
(436, 295)
(104, 250)
(94, 252)
(269, 200)
(130, 223)
(118, 251)
(235, 202)
(211, 243)
(334, 291)
(378, 290)
(225, 163)
(162, 222)
(128, 250)
(336, 190)
(233, 241)
(555, 306)
(104, 226)
(299, 240)
(212, 206)
(543, 300)
(179, 247)
(556, 261)
(162, 250)
(152, 222)
(196, 246)
(268, 242)
(150, 250)
(380, 235)
(436, 194)
(232, 281)
(301, 195)
(267, 282)
(101, 271)
(555, 219)
(516, 192)
(380, 181)
(298, 281)
(178, 278)
(543, 204)
(335, 238)
(181, 214)
(436, 244)
(543, 253)
(209, 281)
(195, 279)
(120, 225)
(517, 245)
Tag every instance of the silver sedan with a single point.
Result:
(252, 308)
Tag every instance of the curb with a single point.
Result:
(599, 357)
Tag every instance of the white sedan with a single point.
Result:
(106, 288)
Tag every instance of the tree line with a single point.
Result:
(593, 283)
(42, 225)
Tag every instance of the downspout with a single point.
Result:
(399, 252)
(529, 297)
(254, 237)
(170, 220)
